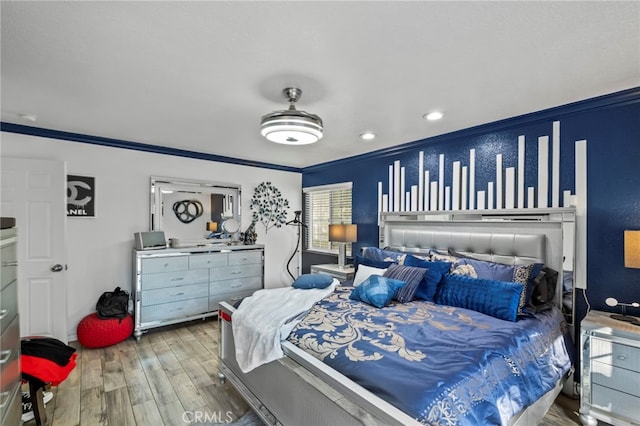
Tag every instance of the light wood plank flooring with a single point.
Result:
(166, 379)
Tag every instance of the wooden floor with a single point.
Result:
(170, 378)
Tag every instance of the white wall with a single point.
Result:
(99, 249)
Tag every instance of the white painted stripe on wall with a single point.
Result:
(566, 198)
(472, 178)
(447, 197)
(434, 196)
(379, 197)
(407, 201)
(555, 165)
(414, 197)
(531, 197)
(385, 203)
(396, 186)
(543, 171)
(521, 157)
(481, 200)
(464, 193)
(426, 190)
(581, 214)
(441, 183)
(509, 188)
(390, 206)
(499, 184)
(490, 196)
(403, 206)
(455, 186)
(421, 181)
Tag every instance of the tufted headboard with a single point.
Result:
(510, 242)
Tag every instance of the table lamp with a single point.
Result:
(343, 234)
(631, 260)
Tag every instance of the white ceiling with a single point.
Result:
(199, 75)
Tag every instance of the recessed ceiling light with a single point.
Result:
(432, 116)
(29, 117)
(368, 136)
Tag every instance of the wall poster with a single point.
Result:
(81, 196)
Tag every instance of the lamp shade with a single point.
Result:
(212, 226)
(343, 233)
(632, 248)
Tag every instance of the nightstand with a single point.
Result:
(610, 370)
(342, 274)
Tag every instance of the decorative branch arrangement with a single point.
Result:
(268, 206)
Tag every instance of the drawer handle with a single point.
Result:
(177, 279)
(236, 272)
(621, 357)
(5, 355)
(236, 285)
(179, 294)
(175, 310)
(9, 263)
(5, 398)
(3, 313)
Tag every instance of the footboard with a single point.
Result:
(299, 389)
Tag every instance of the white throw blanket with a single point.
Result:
(265, 318)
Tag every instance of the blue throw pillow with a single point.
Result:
(429, 284)
(306, 281)
(499, 299)
(374, 263)
(410, 275)
(376, 290)
(383, 254)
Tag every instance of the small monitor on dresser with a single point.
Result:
(150, 240)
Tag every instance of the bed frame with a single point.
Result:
(300, 389)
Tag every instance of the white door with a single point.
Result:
(34, 192)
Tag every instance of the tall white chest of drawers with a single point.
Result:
(610, 370)
(177, 285)
(10, 395)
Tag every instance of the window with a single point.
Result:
(325, 205)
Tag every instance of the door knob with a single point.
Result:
(58, 267)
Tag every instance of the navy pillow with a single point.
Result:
(429, 284)
(410, 275)
(306, 281)
(376, 290)
(375, 263)
(499, 299)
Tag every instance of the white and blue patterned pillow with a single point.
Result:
(377, 290)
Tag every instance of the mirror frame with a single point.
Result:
(159, 183)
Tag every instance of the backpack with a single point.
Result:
(113, 304)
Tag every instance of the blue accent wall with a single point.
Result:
(611, 126)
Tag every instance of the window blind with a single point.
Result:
(325, 205)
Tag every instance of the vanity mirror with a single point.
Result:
(193, 212)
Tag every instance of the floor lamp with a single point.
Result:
(343, 234)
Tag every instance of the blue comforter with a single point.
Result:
(441, 365)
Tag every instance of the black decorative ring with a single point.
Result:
(188, 210)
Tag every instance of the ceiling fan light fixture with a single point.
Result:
(291, 127)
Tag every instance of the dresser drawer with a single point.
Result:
(11, 407)
(612, 401)
(174, 294)
(230, 298)
(616, 354)
(10, 356)
(209, 260)
(174, 310)
(615, 378)
(237, 271)
(9, 263)
(8, 305)
(172, 279)
(245, 257)
(164, 264)
(235, 285)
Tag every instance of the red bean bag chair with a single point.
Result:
(94, 332)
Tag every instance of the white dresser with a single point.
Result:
(177, 285)
(610, 371)
(10, 375)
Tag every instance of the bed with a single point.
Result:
(326, 377)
